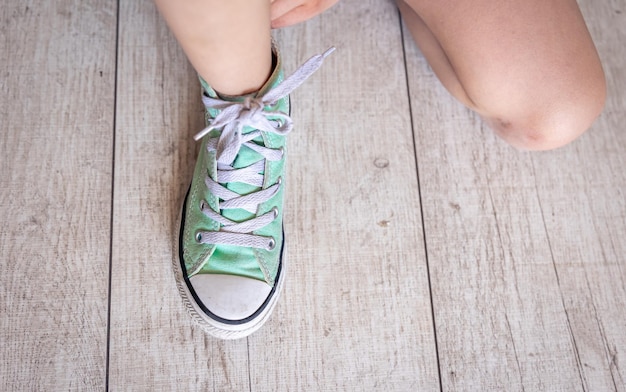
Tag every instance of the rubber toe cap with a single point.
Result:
(230, 297)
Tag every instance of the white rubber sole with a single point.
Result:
(208, 324)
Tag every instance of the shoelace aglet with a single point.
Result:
(328, 51)
(203, 132)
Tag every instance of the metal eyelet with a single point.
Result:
(282, 152)
(275, 211)
(271, 244)
(279, 181)
(202, 205)
(198, 237)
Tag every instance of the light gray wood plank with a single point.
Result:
(56, 110)
(154, 345)
(587, 228)
(514, 262)
(499, 318)
(355, 315)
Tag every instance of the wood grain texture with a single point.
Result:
(525, 250)
(498, 316)
(587, 228)
(154, 345)
(355, 315)
(56, 103)
(526, 271)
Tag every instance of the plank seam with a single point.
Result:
(115, 77)
(419, 193)
(249, 370)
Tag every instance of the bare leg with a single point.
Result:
(227, 42)
(529, 68)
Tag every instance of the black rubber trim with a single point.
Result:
(193, 292)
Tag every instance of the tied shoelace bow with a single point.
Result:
(232, 119)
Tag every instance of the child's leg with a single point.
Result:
(229, 264)
(227, 42)
(529, 67)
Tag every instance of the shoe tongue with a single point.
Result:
(245, 158)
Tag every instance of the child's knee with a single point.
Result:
(531, 125)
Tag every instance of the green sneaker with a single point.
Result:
(230, 261)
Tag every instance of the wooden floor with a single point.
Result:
(424, 253)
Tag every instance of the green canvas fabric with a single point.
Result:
(254, 263)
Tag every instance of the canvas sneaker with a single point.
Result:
(229, 264)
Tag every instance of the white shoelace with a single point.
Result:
(232, 119)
